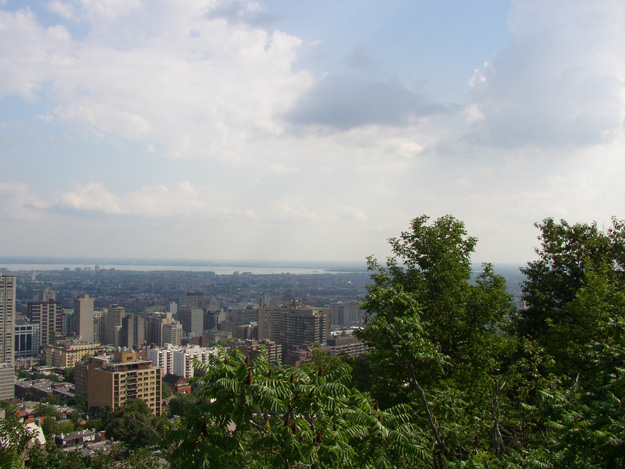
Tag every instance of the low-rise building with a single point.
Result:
(68, 354)
(79, 438)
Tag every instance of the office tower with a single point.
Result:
(192, 320)
(294, 324)
(114, 318)
(172, 333)
(213, 318)
(7, 319)
(83, 317)
(347, 314)
(194, 299)
(99, 326)
(26, 339)
(133, 331)
(127, 375)
(48, 313)
(245, 316)
(162, 329)
(7, 381)
(47, 294)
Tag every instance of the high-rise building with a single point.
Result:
(99, 326)
(83, 317)
(192, 320)
(127, 375)
(212, 318)
(7, 381)
(195, 299)
(294, 324)
(48, 313)
(114, 318)
(161, 329)
(47, 294)
(133, 331)
(172, 333)
(347, 314)
(7, 319)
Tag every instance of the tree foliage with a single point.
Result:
(259, 414)
(134, 425)
(435, 336)
(454, 376)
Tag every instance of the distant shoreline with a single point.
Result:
(219, 267)
(25, 264)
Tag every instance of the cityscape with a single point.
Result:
(306, 235)
(126, 334)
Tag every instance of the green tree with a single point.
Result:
(79, 401)
(45, 410)
(567, 254)
(69, 375)
(15, 438)
(584, 415)
(436, 337)
(135, 425)
(181, 404)
(259, 414)
(166, 390)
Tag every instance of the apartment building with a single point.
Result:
(294, 324)
(68, 354)
(126, 375)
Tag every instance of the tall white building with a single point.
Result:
(7, 320)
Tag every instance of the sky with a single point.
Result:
(304, 130)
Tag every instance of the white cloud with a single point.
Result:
(190, 84)
(282, 169)
(90, 197)
(352, 213)
(560, 80)
(291, 213)
(18, 202)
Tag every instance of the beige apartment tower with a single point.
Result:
(7, 320)
(127, 375)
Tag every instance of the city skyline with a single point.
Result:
(304, 131)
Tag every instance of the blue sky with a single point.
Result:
(295, 130)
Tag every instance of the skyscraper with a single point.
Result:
(7, 319)
(83, 317)
(192, 320)
(48, 313)
(133, 331)
(294, 324)
(114, 319)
